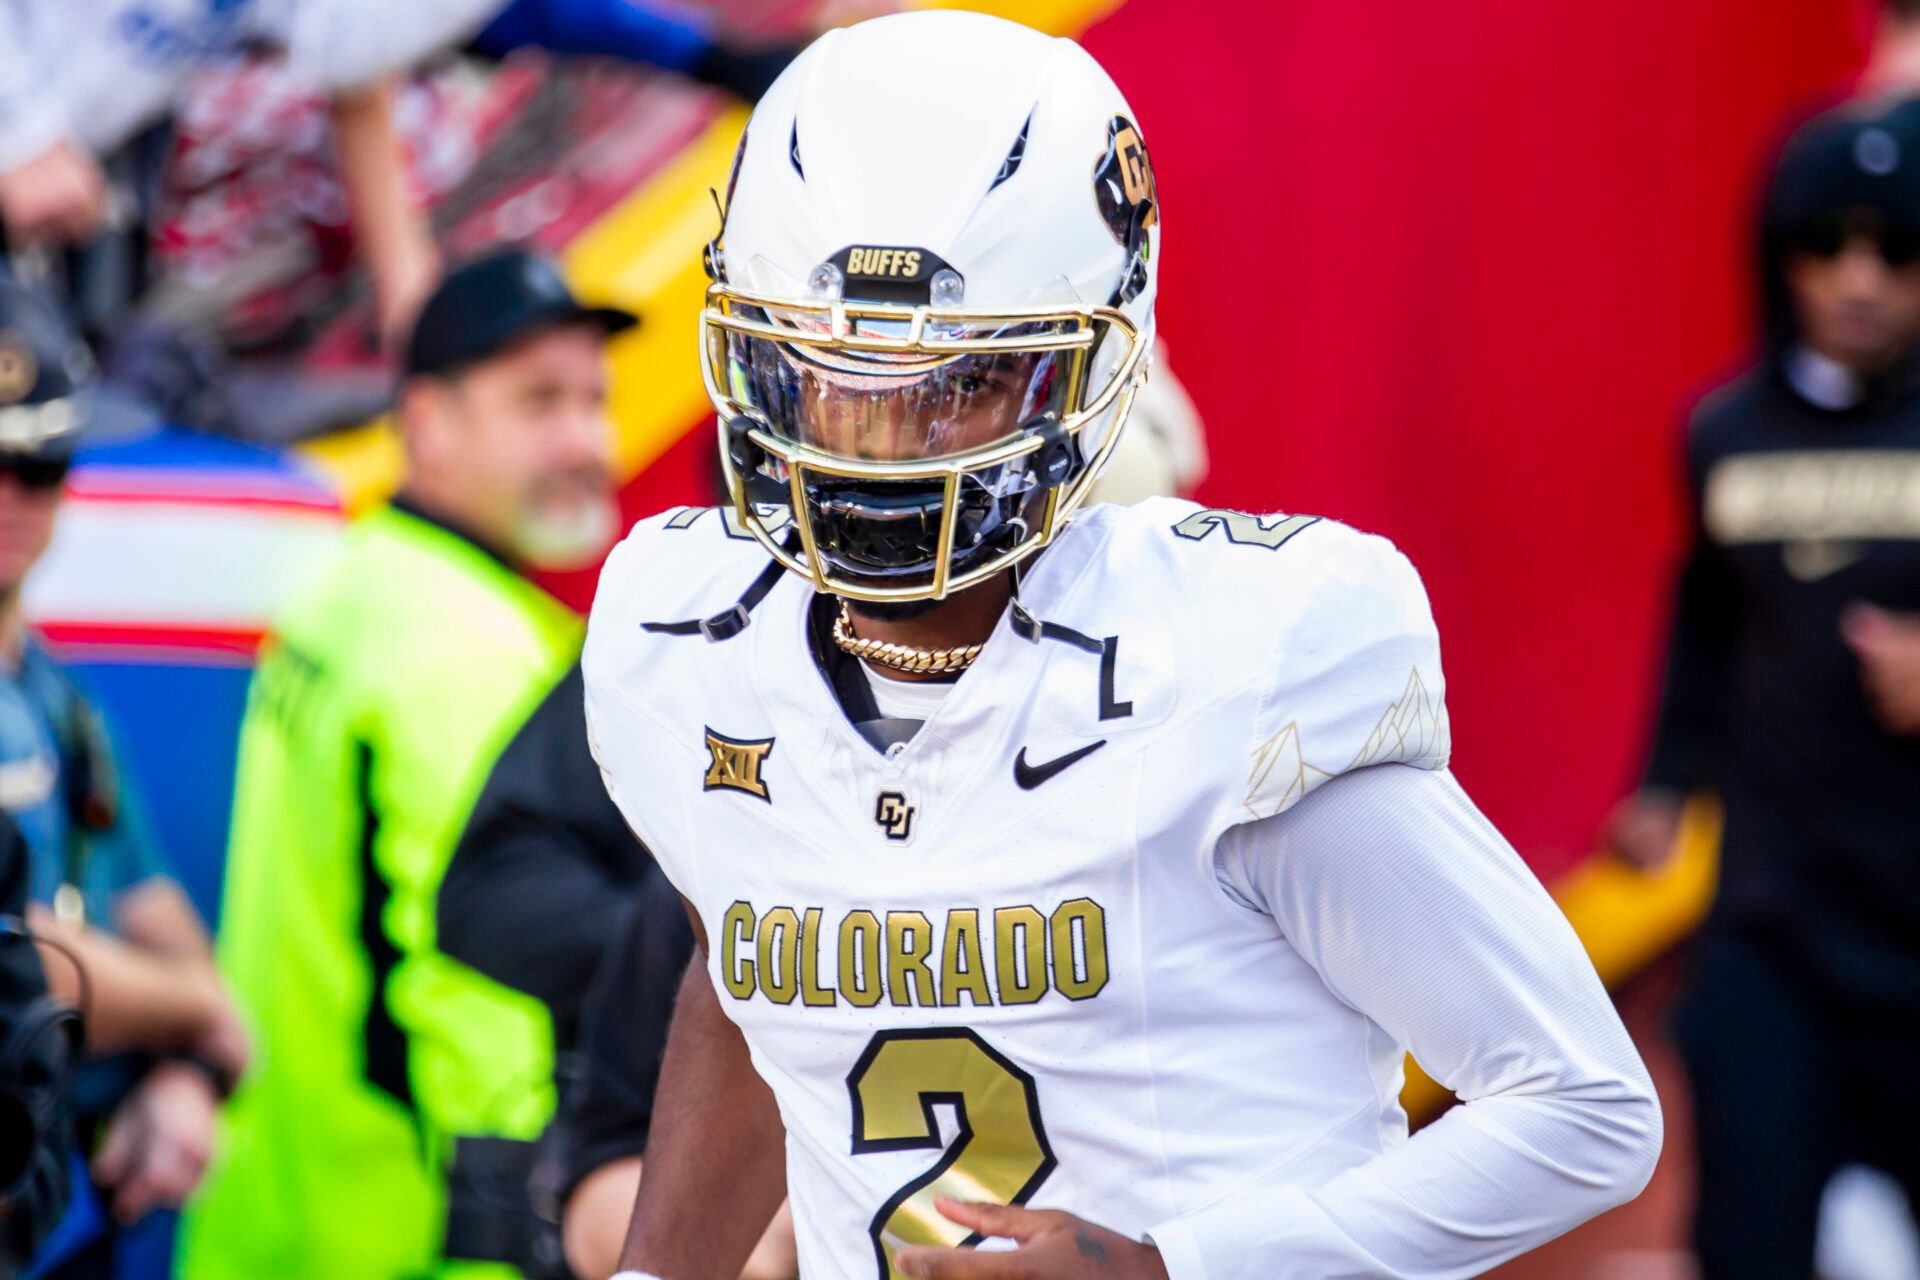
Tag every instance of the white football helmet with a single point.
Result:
(932, 301)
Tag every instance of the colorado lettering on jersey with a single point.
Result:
(1008, 956)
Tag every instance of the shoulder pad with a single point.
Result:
(679, 571)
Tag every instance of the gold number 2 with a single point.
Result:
(1241, 528)
(1000, 1152)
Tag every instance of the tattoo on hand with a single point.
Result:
(1089, 1247)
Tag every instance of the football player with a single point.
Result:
(1069, 888)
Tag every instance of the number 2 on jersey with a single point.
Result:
(1243, 529)
(1000, 1152)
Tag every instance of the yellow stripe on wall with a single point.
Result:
(1055, 17)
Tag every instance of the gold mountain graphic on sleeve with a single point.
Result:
(1280, 775)
(1413, 728)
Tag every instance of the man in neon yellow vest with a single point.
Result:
(380, 702)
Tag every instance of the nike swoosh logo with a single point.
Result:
(1029, 776)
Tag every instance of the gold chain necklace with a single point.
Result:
(902, 657)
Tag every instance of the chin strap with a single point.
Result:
(1025, 625)
(729, 623)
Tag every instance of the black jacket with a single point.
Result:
(1763, 698)
(1799, 512)
(607, 1113)
(546, 868)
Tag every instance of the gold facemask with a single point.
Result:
(922, 449)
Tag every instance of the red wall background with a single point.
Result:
(1454, 273)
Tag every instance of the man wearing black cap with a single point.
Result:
(392, 1077)
(1793, 689)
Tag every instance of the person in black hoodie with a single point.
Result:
(1793, 690)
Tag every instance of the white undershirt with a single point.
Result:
(906, 699)
(1415, 911)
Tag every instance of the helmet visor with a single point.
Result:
(919, 448)
(897, 387)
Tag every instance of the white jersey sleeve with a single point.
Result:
(1415, 911)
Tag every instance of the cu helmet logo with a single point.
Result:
(894, 815)
(1129, 200)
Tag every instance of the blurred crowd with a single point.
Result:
(425, 1039)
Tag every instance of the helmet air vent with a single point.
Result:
(1011, 165)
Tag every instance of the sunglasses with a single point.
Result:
(1827, 238)
(35, 473)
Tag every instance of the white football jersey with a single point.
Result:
(998, 961)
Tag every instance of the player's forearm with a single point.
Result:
(715, 1158)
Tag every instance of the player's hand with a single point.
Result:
(1643, 829)
(1888, 645)
(58, 197)
(1053, 1244)
(158, 1142)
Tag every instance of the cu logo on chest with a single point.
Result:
(894, 815)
